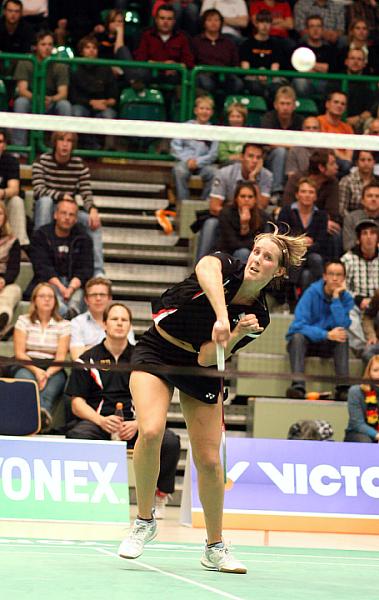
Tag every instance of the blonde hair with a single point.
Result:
(292, 249)
(33, 312)
(238, 107)
(6, 228)
(287, 91)
(373, 359)
(206, 100)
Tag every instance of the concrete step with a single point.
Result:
(137, 290)
(159, 274)
(172, 254)
(123, 186)
(130, 203)
(119, 236)
(129, 219)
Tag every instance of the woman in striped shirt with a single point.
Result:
(43, 334)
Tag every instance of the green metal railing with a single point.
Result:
(187, 84)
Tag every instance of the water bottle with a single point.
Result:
(119, 412)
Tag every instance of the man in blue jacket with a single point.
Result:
(320, 328)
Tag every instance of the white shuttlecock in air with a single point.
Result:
(303, 59)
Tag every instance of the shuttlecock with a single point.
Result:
(303, 59)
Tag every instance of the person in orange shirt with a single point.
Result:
(331, 122)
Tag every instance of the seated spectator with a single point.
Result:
(43, 334)
(303, 217)
(57, 79)
(360, 97)
(240, 222)
(10, 292)
(358, 39)
(363, 406)
(251, 169)
(369, 210)
(230, 152)
(332, 16)
(362, 277)
(94, 404)
(195, 157)
(211, 47)
(10, 190)
(165, 44)
(88, 329)
(73, 20)
(320, 328)
(372, 128)
(370, 326)
(297, 161)
(36, 13)
(261, 51)
(16, 35)
(93, 88)
(59, 174)
(234, 13)
(324, 58)
(282, 117)
(186, 14)
(368, 11)
(351, 186)
(331, 122)
(282, 21)
(111, 38)
(62, 254)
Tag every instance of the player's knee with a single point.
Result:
(208, 462)
(151, 434)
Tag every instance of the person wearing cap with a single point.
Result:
(362, 277)
(369, 210)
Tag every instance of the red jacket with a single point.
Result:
(176, 48)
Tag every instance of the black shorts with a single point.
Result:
(153, 349)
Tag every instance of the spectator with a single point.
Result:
(282, 21)
(304, 218)
(362, 277)
(111, 42)
(195, 156)
(10, 190)
(362, 403)
(224, 183)
(87, 329)
(62, 254)
(59, 174)
(261, 51)
(235, 15)
(368, 210)
(229, 152)
(324, 58)
(186, 14)
(351, 186)
(241, 222)
(370, 326)
(93, 88)
(56, 85)
(358, 35)
(94, 405)
(75, 19)
(331, 122)
(211, 47)
(15, 34)
(165, 44)
(297, 161)
(368, 11)
(320, 328)
(43, 334)
(330, 12)
(360, 97)
(36, 13)
(10, 292)
(282, 117)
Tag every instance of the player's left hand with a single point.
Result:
(248, 324)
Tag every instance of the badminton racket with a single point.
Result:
(220, 353)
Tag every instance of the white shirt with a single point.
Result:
(228, 8)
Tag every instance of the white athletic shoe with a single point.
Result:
(161, 500)
(219, 558)
(142, 533)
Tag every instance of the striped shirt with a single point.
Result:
(350, 192)
(362, 275)
(50, 178)
(332, 13)
(42, 342)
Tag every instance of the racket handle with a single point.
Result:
(220, 353)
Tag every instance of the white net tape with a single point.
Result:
(158, 129)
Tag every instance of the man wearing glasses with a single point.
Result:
(88, 329)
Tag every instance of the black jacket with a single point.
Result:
(44, 257)
(317, 228)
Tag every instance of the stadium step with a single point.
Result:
(160, 274)
(134, 219)
(113, 236)
(137, 290)
(124, 186)
(169, 254)
(130, 203)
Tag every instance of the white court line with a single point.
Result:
(208, 588)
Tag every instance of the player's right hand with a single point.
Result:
(221, 332)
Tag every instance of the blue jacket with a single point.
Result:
(204, 152)
(316, 313)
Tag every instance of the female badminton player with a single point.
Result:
(223, 302)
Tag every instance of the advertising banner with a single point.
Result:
(63, 480)
(333, 485)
